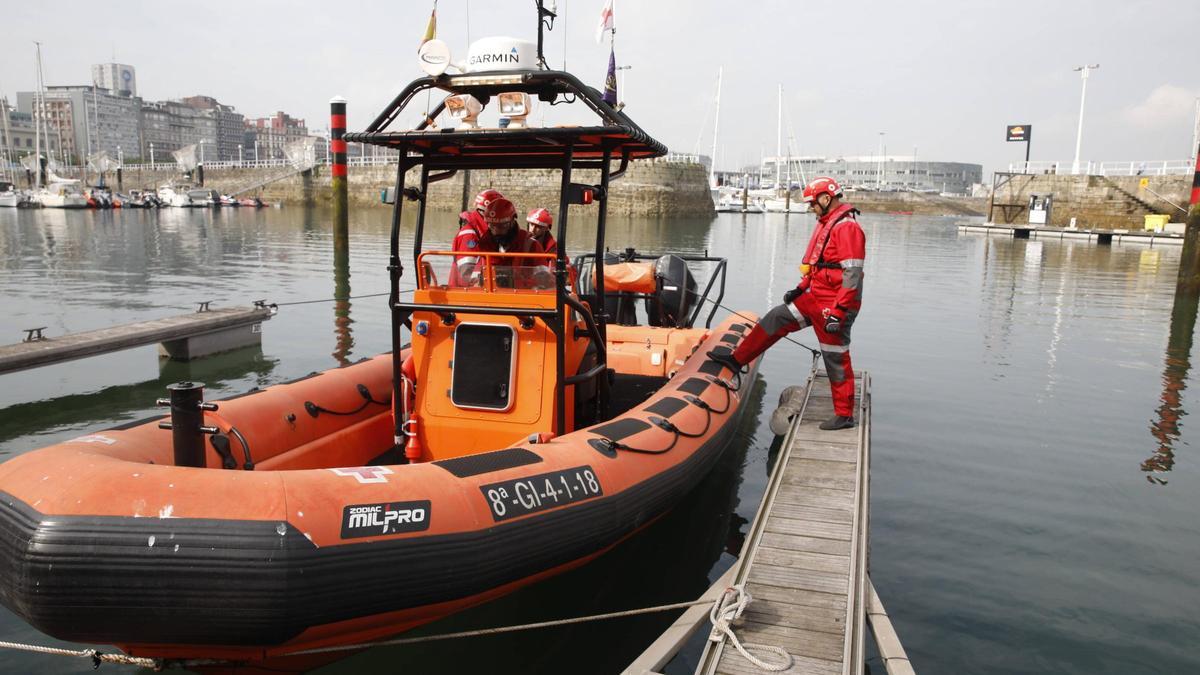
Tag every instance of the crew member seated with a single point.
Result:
(540, 222)
(503, 236)
(472, 229)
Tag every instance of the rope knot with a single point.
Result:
(727, 609)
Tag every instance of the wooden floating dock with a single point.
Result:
(1103, 237)
(182, 337)
(805, 559)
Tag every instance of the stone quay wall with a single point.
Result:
(648, 188)
(1097, 202)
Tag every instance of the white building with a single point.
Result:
(116, 77)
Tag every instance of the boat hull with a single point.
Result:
(99, 545)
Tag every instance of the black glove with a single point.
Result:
(833, 322)
(791, 295)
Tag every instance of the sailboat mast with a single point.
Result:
(38, 113)
(778, 138)
(712, 175)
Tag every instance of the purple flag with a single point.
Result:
(610, 81)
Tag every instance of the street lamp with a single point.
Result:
(1083, 75)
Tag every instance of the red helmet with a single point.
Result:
(822, 185)
(540, 217)
(499, 210)
(484, 198)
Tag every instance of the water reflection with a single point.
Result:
(114, 404)
(341, 305)
(1165, 429)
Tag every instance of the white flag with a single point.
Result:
(606, 21)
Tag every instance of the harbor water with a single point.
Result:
(1022, 391)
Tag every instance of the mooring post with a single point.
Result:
(187, 422)
(1189, 262)
(338, 174)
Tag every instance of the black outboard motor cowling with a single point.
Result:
(675, 296)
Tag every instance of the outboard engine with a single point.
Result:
(675, 295)
(618, 306)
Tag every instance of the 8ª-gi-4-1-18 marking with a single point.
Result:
(522, 496)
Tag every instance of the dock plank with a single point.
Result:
(797, 596)
(815, 528)
(806, 543)
(55, 349)
(812, 580)
(808, 551)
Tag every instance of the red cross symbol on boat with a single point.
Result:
(364, 474)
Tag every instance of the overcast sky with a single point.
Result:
(944, 78)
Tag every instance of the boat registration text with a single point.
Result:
(522, 496)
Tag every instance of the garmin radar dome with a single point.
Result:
(501, 53)
(434, 57)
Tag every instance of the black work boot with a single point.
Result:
(837, 422)
(725, 358)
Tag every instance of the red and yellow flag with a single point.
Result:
(431, 29)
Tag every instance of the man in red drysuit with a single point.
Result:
(827, 298)
(540, 222)
(472, 229)
(504, 236)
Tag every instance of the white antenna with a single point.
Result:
(778, 138)
(712, 175)
(37, 129)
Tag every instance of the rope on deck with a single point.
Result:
(96, 657)
(726, 610)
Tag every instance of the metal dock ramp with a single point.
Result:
(804, 562)
(805, 559)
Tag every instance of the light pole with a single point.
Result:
(1083, 75)
(623, 69)
(879, 184)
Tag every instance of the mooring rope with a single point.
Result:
(504, 629)
(96, 657)
(725, 611)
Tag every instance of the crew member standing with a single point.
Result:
(472, 229)
(827, 298)
(540, 221)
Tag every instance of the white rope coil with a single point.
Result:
(725, 611)
(96, 657)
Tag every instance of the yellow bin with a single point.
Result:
(1156, 222)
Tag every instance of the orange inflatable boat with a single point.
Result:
(525, 426)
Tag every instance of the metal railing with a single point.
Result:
(1166, 167)
(681, 157)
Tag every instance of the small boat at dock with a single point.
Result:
(513, 432)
